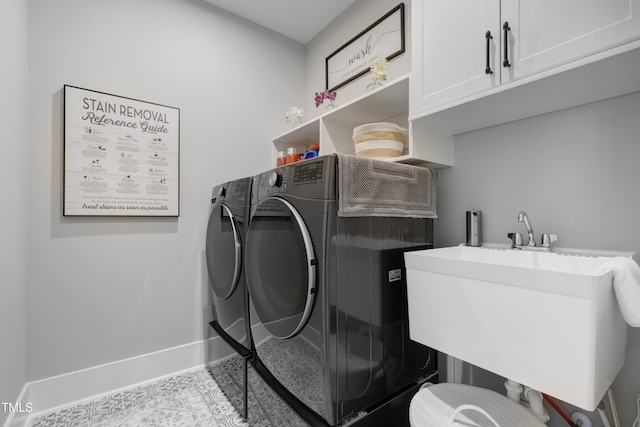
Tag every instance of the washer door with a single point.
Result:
(280, 265)
(224, 251)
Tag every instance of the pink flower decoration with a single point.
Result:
(320, 97)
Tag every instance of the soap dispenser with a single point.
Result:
(474, 228)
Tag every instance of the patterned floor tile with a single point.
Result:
(212, 396)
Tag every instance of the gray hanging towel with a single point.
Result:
(370, 187)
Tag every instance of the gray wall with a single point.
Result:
(576, 172)
(105, 289)
(13, 174)
(352, 21)
(100, 290)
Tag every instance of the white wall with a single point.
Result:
(352, 21)
(576, 174)
(105, 289)
(13, 174)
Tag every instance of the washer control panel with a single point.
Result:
(275, 179)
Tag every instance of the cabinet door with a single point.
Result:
(547, 33)
(450, 50)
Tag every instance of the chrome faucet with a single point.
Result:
(523, 217)
(546, 241)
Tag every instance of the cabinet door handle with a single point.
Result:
(488, 36)
(506, 29)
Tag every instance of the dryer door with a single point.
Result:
(224, 251)
(280, 265)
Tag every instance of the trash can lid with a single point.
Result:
(450, 404)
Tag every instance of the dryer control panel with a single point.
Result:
(310, 179)
(308, 173)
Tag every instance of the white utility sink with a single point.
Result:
(547, 320)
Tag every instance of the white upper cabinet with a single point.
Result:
(547, 33)
(466, 47)
(450, 50)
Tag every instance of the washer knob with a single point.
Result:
(275, 179)
(222, 192)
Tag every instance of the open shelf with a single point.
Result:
(333, 130)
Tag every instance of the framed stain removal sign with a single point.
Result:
(121, 156)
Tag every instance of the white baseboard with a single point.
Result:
(19, 419)
(72, 388)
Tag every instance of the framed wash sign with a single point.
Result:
(121, 156)
(384, 39)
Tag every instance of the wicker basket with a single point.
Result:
(379, 140)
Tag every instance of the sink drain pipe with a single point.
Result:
(532, 397)
(514, 390)
(535, 402)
